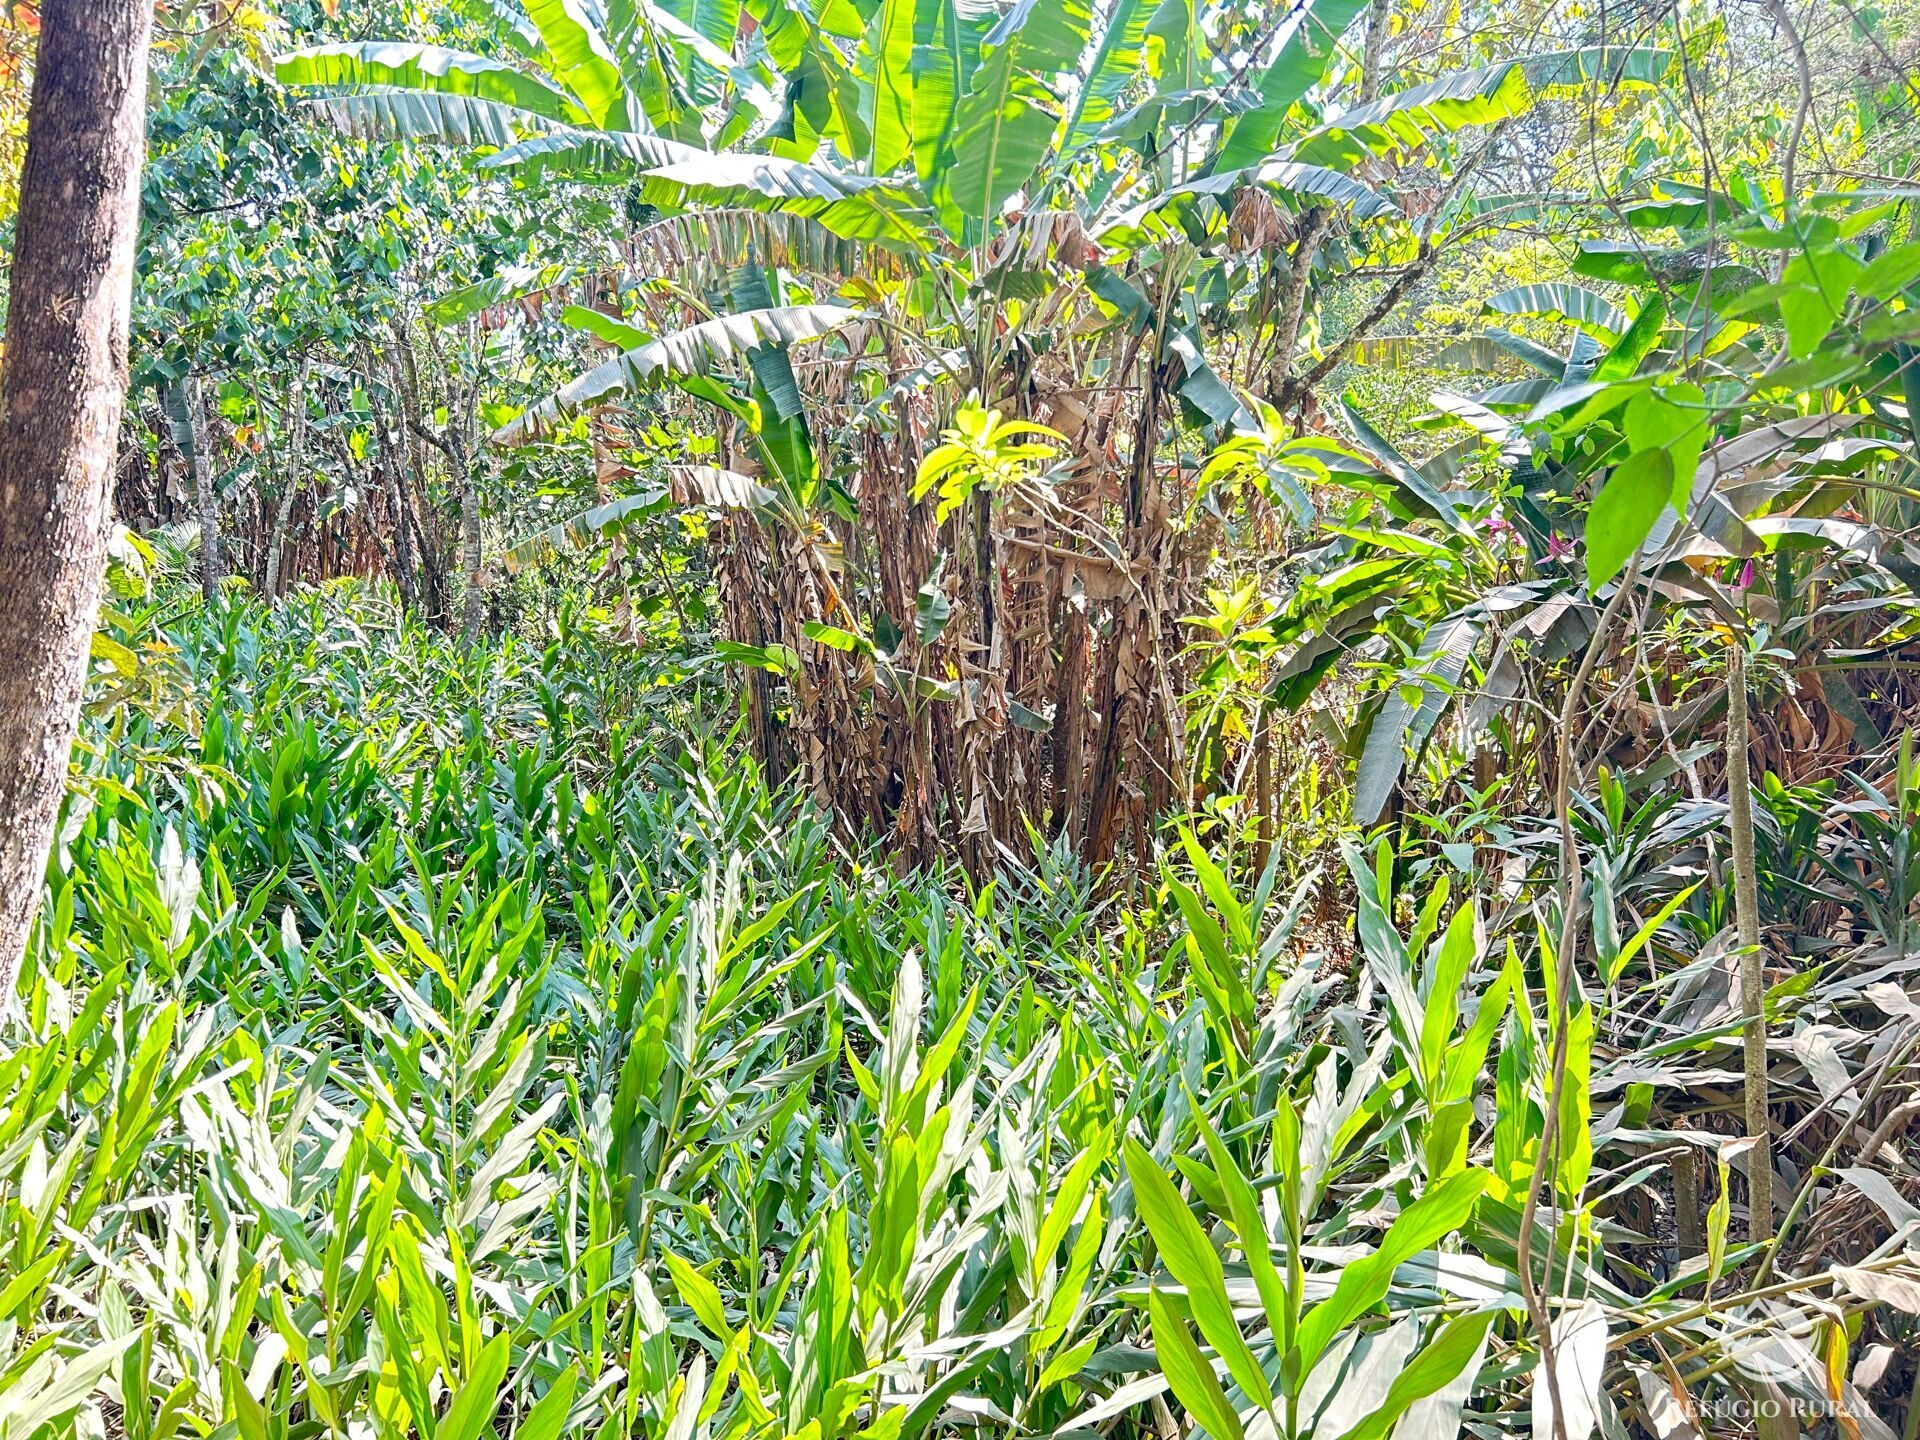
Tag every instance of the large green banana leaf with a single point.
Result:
(697, 350)
(432, 68)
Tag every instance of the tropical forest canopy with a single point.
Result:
(894, 719)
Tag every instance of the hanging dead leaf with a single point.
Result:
(1887, 1287)
(1257, 223)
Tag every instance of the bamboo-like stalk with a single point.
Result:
(1746, 902)
(1263, 787)
(1686, 1205)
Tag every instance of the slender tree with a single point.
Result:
(61, 392)
(1753, 979)
(290, 486)
(206, 499)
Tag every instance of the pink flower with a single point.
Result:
(1558, 548)
(1745, 582)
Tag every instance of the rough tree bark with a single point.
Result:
(1372, 70)
(61, 393)
(473, 598)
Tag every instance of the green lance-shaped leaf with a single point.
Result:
(714, 22)
(1118, 54)
(1004, 123)
(1424, 494)
(471, 1412)
(428, 68)
(1249, 1225)
(931, 604)
(1443, 984)
(946, 48)
(1003, 128)
(1640, 340)
(1616, 65)
(700, 1295)
(1363, 1284)
(591, 153)
(577, 532)
(1294, 178)
(1202, 387)
(42, 1391)
(1194, 1384)
(1411, 118)
(513, 283)
(603, 326)
(889, 53)
(824, 1349)
(1533, 355)
(773, 374)
(1191, 1259)
(772, 176)
(1445, 1359)
(1051, 34)
(545, 1419)
(851, 206)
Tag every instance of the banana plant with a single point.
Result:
(922, 128)
(1033, 205)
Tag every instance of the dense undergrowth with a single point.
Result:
(1106, 654)
(423, 1040)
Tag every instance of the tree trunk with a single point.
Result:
(463, 428)
(61, 393)
(1372, 71)
(296, 457)
(1314, 226)
(393, 461)
(457, 447)
(206, 500)
(406, 374)
(473, 599)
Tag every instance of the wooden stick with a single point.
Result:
(1753, 980)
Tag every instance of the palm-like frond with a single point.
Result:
(696, 351)
(704, 245)
(424, 116)
(1590, 311)
(591, 154)
(577, 532)
(720, 489)
(428, 68)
